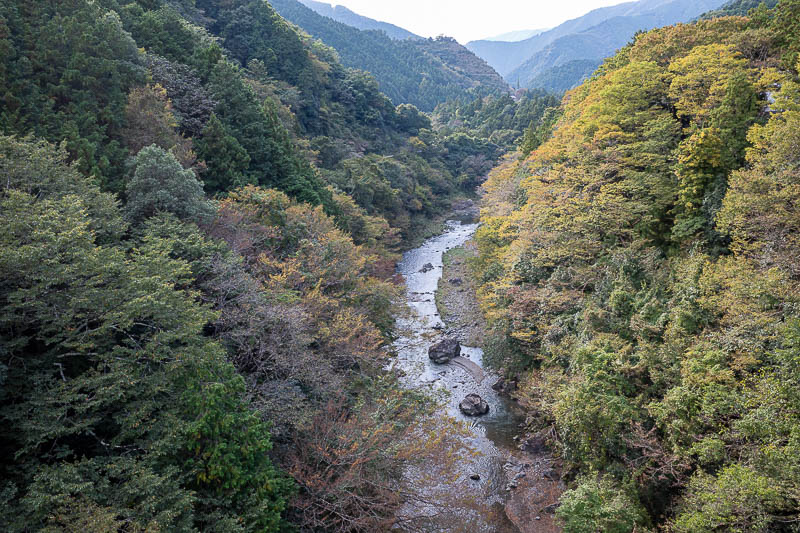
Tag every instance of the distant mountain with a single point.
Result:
(423, 72)
(516, 36)
(507, 57)
(566, 76)
(737, 7)
(603, 40)
(345, 16)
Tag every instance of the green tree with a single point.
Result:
(40, 169)
(738, 499)
(80, 96)
(786, 26)
(274, 161)
(115, 406)
(599, 504)
(538, 132)
(733, 117)
(700, 163)
(226, 160)
(160, 184)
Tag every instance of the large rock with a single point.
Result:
(444, 351)
(427, 267)
(505, 386)
(473, 405)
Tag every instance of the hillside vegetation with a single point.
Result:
(422, 72)
(738, 7)
(200, 212)
(640, 273)
(341, 14)
(500, 118)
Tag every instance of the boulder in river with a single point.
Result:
(505, 386)
(427, 267)
(473, 405)
(444, 351)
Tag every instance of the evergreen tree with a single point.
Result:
(91, 62)
(160, 184)
(733, 117)
(117, 412)
(226, 160)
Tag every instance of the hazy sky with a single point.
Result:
(467, 20)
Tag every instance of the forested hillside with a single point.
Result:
(639, 269)
(200, 212)
(341, 14)
(500, 118)
(738, 7)
(422, 72)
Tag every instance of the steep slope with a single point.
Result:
(419, 72)
(506, 57)
(345, 16)
(604, 39)
(565, 76)
(461, 60)
(738, 7)
(639, 272)
(199, 215)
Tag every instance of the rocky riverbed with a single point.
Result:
(532, 473)
(497, 487)
(455, 297)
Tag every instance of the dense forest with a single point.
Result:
(738, 7)
(640, 272)
(200, 213)
(201, 209)
(501, 118)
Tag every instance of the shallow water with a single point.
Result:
(490, 436)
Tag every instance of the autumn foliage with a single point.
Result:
(639, 270)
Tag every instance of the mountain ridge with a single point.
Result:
(507, 58)
(344, 15)
(422, 72)
(603, 40)
(515, 36)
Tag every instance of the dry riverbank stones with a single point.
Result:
(444, 351)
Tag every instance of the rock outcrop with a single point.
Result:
(444, 351)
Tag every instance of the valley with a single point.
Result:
(277, 266)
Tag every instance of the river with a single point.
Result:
(464, 503)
